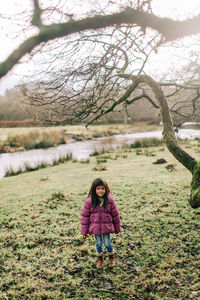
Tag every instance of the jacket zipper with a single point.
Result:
(100, 219)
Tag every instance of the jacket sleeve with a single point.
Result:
(115, 216)
(85, 217)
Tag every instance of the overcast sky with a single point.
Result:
(169, 8)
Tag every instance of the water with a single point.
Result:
(79, 150)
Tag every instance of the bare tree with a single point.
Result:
(183, 157)
(79, 85)
(81, 82)
(138, 13)
(96, 73)
(99, 83)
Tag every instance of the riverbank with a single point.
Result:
(18, 162)
(82, 130)
(21, 139)
(45, 256)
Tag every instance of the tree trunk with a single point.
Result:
(125, 115)
(171, 142)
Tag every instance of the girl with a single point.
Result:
(100, 217)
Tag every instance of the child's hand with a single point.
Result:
(86, 236)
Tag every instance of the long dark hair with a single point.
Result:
(95, 199)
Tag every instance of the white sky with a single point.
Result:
(166, 8)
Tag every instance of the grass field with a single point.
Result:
(43, 255)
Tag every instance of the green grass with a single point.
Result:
(43, 255)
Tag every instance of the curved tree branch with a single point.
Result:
(168, 28)
(182, 156)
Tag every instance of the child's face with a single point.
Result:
(100, 190)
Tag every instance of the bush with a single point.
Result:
(36, 139)
(136, 144)
(85, 161)
(11, 172)
(98, 152)
(147, 142)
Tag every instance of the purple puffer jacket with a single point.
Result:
(100, 220)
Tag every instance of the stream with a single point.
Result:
(80, 150)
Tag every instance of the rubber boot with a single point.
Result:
(111, 259)
(100, 260)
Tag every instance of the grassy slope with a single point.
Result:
(44, 255)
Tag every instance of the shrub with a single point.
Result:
(100, 168)
(62, 159)
(84, 161)
(29, 168)
(11, 172)
(98, 152)
(147, 142)
(136, 144)
(100, 160)
(36, 139)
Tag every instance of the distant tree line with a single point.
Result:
(13, 108)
